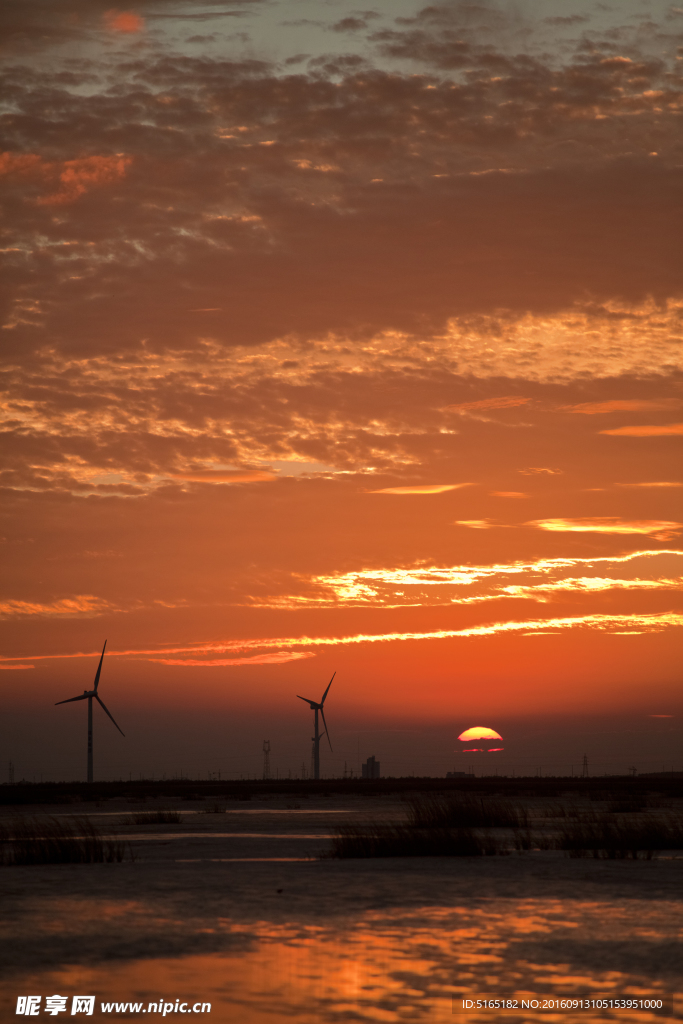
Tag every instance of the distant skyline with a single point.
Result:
(342, 340)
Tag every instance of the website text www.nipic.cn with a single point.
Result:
(31, 1006)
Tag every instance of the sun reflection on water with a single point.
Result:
(397, 964)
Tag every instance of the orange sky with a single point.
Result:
(346, 342)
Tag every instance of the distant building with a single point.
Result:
(371, 768)
(458, 775)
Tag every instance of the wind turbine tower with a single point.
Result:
(89, 695)
(318, 707)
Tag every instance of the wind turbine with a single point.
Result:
(314, 706)
(88, 695)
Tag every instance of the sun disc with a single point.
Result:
(479, 732)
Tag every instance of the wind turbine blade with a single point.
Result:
(82, 697)
(104, 708)
(307, 699)
(326, 691)
(99, 668)
(327, 733)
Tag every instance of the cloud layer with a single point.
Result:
(361, 328)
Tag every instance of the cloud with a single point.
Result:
(608, 623)
(420, 489)
(73, 177)
(524, 115)
(502, 402)
(278, 658)
(654, 483)
(622, 405)
(81, 605)
(428, 585)
(663, 430)
(647, 622)
(127, 22)
(476, 524)
(659, 529)
(132, 424)
(237, 476)
(214, 260)
(509, 494)
(571, 19)
(590, 585)
(354, 24)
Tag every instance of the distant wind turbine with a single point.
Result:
(88, 695)
(314, 706)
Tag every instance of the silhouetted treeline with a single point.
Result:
(597, 788)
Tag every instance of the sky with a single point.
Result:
(342, 339)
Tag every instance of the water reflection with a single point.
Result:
(399, 965)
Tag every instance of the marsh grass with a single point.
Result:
(629, 806)
(610, 839)
(524, 839)
(55, 841)
(436, 826)
(463, 812)
(457, 825)
(351, 841)
(163, 816)
(561, 810)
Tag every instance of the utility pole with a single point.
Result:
(584, 769)
(266, 759)
(11, 773)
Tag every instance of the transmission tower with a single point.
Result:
(584, 769)
(266, 759)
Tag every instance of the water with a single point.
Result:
(390, 964)
(239, 912)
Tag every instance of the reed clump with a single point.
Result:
(465, 812)
(163, 816)
(632, 805)
(436, 826)
(55, 841)
(620, 839)
(405, 841)
(215, 808)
